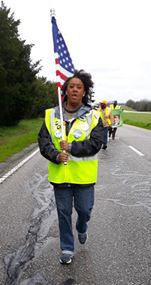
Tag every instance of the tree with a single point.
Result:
(53, 93)
(131, 104)
(45, 96)
(17, 72)
(142, 105)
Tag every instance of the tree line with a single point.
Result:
(142, 105)
(23, 94)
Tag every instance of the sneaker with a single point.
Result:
(66, 258)
(82, 237)
(104, 146)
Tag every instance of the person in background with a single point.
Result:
(107, 120)
(112, 131)
(72, 166)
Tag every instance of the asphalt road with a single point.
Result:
(118, 251)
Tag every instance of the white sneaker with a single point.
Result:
(66, 258)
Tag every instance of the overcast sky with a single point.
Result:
(111, 39)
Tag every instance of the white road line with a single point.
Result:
(18, 166)
(137, 151)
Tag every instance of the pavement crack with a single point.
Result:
(39, 230)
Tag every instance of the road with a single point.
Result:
(118, 251)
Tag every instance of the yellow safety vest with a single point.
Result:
(116, 108)
(79, 170)
(106, 113)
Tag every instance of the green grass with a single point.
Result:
(142, 120)
(15, 139)
(124, 107)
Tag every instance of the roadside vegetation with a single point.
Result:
(15, 139)
(138, 119)
(126, 108)
(137, 113)
(142, 105)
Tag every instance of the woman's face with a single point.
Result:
(103, 106)
(75, 91)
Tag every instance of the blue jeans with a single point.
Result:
(83, 198)
(105, 135)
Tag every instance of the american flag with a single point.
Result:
(64, 65)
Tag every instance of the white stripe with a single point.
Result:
(63, 70)
(18, 166)
(59, 67)
(137, 151)
(59, 79)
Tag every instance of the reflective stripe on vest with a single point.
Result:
(79, 170)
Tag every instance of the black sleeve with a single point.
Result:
(47, 148)
(90, 146)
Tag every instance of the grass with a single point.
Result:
(142, 120)
(124, 107)
(15, 139)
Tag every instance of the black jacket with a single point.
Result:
(87, 147)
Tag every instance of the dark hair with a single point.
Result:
(115, 103)
(86, 78)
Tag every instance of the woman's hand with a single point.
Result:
(64, 145)
(63, 156)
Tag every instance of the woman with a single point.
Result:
(73, 181)
(107, 120)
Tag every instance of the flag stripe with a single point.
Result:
(62, 76)
(56, 60)
(63, 61)
(60, 81)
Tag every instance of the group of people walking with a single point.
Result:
(72, 160)
(110, 120)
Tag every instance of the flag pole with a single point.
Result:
(52, 13)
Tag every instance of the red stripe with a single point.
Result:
(56, 60)
(63, 76)
(59, 84)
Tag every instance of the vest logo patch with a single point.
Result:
(77, 134)
(58, 134)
